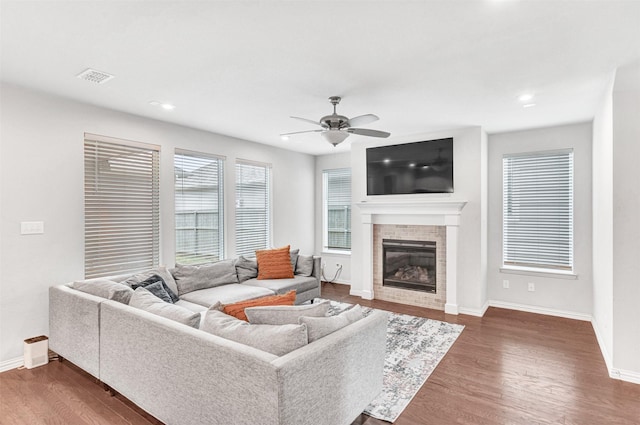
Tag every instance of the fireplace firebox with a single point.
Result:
(409, 264)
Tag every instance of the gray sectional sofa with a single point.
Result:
(183, 375)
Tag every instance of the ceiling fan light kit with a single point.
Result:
(336, 128)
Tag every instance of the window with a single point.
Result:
(253, 207)
(337, 209)
(121, 206)
(199, 207)
(538, 211)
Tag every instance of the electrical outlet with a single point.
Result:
(531, 286)
(505, 284)
(32, 227)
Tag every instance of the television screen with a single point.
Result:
(419, 167)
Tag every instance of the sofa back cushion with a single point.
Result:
(192, 278)
(285, 314)
(274, 263)
(304, 266)
(105, 288)
(317, 327)
(145, 300)
(278, 340)
(237, 309)
(246, 269)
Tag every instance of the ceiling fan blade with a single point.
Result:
(362, 120)
(300, 132)
(367, 132)
(308, 121)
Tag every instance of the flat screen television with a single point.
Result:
(419, 167)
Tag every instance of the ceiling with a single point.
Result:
(241, 68)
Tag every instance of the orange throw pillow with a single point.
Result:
(274, 263)
(237, 309)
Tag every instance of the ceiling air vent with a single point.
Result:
(94, 76)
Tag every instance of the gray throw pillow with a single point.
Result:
(246, 269)
(318, 327)
(158, 289)
(164, 292)
(278, 340)
(285, 314)
(105, 288)
(145, 300)
(304, 267)
(294, 257)
(192, 278)
(160, 271)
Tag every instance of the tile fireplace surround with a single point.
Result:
(412, 213)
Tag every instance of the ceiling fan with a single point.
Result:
(336, 128)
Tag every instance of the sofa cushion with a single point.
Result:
(192, 278)
(282, 286)
(161, 290)
(226, 294)
(278, 340)
(237, 309)
(293, 255)
(285, 314)
(105, 288)
(145, 300)
(304, 266)
(246, 269)
(274, 263)
(160, 271)
(317, 327)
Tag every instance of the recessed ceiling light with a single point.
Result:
(165, 106)
(529, 105)
(386, 160)
(525, 97)
(412, 164)
(284, 137)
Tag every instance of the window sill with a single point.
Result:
(539, 272)
(336, 252)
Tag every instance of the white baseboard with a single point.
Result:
(11, 364)
(541, 310)
(625, 375)
(474, 311)
(603, 348)
(339, 281)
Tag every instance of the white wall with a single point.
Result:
(572, 298)
(602, 212)
(331, 260)
(626, 222)
(42, 180)
(469, 166)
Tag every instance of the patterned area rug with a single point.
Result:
(415, 346)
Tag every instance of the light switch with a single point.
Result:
(32, 227)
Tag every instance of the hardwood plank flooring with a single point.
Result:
(507, 367)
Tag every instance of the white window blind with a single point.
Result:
(253, 207)
(121, 204)
(538, 210)
(337, 208)
(199, 200)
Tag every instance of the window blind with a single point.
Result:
(121, 204)
(253, 207)
(538, 210)
(337, 200)
(199, 203)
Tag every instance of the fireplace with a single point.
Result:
(409, 264)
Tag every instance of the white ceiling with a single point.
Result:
(241, 68)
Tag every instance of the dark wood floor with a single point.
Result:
(505, 368)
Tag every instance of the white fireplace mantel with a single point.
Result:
(413, 212)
